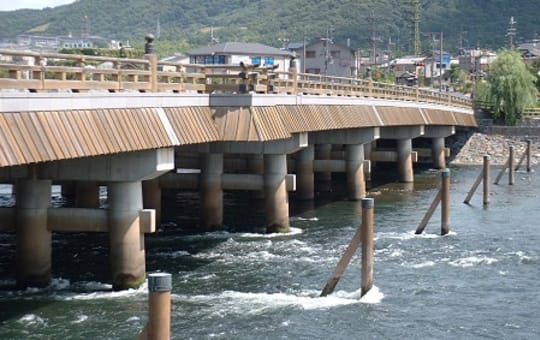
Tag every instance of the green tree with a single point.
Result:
(511, 86)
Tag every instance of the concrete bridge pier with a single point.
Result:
(404, 153)
(323, 152)
(275, 192)
(125, 234)
(211, 191)
(354, 163)
(33, 239)
(405, 161)
(305, 175)
(438, 151)
(368, 148)
(256, 166)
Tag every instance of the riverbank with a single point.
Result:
(473, 149)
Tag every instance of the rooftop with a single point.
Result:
(240, 48)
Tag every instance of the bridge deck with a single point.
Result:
(51, 134)
(71, 107)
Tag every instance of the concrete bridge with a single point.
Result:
(137, 128)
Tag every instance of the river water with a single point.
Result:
(482, 281)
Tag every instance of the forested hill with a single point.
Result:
(184, 24)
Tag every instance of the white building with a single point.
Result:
(325, 57)
(234, 53)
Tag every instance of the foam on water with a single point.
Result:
(419, 265)
(472, 261)
(32, 320)
(404, 236)
(309, 219)
(256, 303)
(140, 291)
(292, 232)
(173, 254)
(80, 319)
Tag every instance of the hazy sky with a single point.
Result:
(10, 5)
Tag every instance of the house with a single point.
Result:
(235, 53)
(53, 43)
(435, 65)
(178, 58)
(410, 64)
(476, 62)
(530, 51)
(323, 56)
(406, 78)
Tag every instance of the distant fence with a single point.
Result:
(43, 72)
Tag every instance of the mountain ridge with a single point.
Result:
(188, 24)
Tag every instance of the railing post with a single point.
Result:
(152, 62)
(152, 67)
(294, 71)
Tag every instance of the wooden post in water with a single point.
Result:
(528, 155)
(483, 176)
(445, 201)
(159, 312)
(511, 168)
(367, 245)
(486, 175)
(429, 213)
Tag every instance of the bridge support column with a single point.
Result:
(152, 197)
(275, 190)
(211, 191)
(256, 166)
(356, 185)
(87, 194)
(126, 240)
(304, 170)
(437, 151)
(323, 151)
(34, 240)
(404, 158)
(368, 147)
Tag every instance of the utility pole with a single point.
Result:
(213, 39)
(417, 13)
(511, 32)
(441, 51)
(441, 63)
(326, 42)
(372, 20)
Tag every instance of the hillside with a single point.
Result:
(185, 24)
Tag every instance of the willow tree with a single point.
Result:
(511, 86)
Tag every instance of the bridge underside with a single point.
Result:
(138, 145)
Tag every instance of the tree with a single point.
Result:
(511, 86)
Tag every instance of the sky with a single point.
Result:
(11, 5)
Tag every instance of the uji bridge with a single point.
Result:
(141, 126)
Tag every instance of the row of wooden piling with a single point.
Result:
(509, 165)
(159, 284)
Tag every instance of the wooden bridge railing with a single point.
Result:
(532, 112)
(45, 72)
